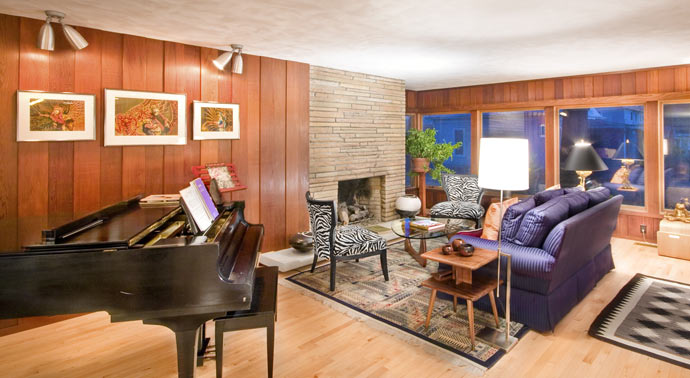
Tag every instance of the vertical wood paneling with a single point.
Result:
(111, 157)
(192, 76)
(296, 148)
(273, 92)
(209, 92)
(87, 154)
(225, 97)
(154, 83)
(9, 72)
(174, 82)
(628, 83)
(133, 77)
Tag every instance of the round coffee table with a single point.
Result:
(402, 228)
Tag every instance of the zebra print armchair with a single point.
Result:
(464, 198)
(341, 243)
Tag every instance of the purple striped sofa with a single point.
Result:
(560, 242)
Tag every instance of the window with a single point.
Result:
(408, 160)
(452, 128)
(522, 124)
(676, 149)
(615, 133)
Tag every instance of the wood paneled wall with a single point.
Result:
(646, 87)
(51, 182)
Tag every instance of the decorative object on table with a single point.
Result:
(402, 228)
(680, 213)
(466, 250)
(584, 160)
(673, 239)
(302, 241)
(399, 304)
(628, 154)
(461, 283)
(503, 165)
(494, 217)
(423, 149)
(216, 121)
(457, 244)
(649, 316)
(46, 36)
(427, 225)
(408, 206)
(144, 118)
(464, 198)
(45, 116)
(224, 175)
(341, 243)
(447, 249)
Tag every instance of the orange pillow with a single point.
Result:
(493, 219)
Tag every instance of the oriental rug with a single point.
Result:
(650, 316)
(400, 305)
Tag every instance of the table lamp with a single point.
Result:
(584, 160)
(627, 153)
(503, 165)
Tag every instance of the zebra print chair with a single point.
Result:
(464, 198)
(341, 243)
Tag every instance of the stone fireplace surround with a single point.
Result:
(356, 130)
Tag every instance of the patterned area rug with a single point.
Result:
(402, 304)
(650, 316)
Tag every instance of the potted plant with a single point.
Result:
(422, 147)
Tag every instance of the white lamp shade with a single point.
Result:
(504, 163)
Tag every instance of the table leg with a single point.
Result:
(455, 303)
(416, 254)
(431, 308)
(470, 317)
(493, 307)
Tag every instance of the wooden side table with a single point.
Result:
(673, 238)
(461, 283)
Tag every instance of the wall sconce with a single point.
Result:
(46, 36)
(223, 59)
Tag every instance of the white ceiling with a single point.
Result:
(429, 44)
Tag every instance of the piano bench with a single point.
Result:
(262, 313)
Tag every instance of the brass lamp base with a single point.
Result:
(626, 176)
(583, 175)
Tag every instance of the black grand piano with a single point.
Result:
(137, 263)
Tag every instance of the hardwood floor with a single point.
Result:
(314, 340)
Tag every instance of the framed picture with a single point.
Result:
(135, 118)
(216, 121)
(44, 116)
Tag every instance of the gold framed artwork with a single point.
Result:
(134, 118)
(46, 116)
(216, 121)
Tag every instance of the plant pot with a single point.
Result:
(420, 165)
(408, 206)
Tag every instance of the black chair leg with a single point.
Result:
(219, 348)
(356, 260)
(270, 335)
(384, 264)
(313, 264)
(332, 274)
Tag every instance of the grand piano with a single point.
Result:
(137, 263)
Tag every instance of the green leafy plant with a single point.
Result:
(422, 144)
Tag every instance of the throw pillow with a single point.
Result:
(546, 196)
(493, 218)
(577, 202)
(513, 217)
(618, 176)
(598, 195)
(221, 175)
(539, 221)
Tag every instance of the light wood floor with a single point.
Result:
(313, 340)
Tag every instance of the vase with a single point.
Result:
(302, 241)
(408, 206)
(420, 165)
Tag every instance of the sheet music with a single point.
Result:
(197, 208)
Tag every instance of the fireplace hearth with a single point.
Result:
(359, 200)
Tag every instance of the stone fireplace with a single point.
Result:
(357, 139)
(359, 200)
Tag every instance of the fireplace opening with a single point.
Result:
(359, 200)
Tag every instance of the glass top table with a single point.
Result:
(402, 228)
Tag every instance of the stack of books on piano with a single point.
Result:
(160, 200)
(427, 225)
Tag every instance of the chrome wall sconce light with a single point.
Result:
(46, 36)
(223, 59)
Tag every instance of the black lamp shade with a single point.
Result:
(582, 157)
(628, 150)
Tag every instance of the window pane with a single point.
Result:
(522, 124)
(408, 160)
(452, 128)
(608, 129)
(676, 153)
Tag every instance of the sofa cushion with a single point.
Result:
(513, 217)
(546, 196)
(494, 217)
(598, 195)
(538, 222)
(577, 202)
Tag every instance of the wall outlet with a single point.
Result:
(643, 228)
